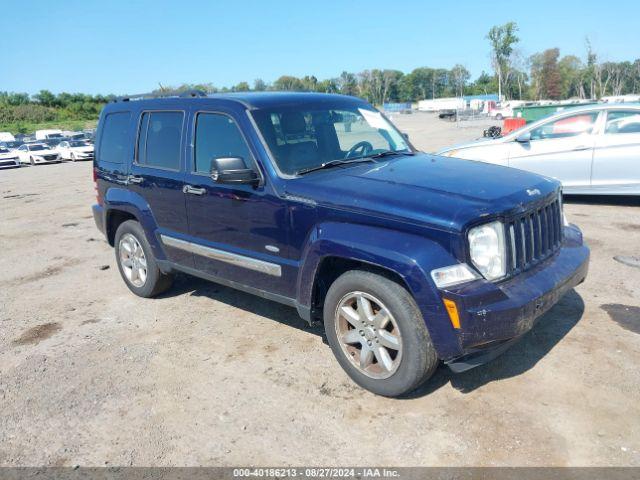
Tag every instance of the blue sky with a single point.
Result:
(128, 46)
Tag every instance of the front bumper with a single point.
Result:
(38, 160)
(6, 163)
(492, 315)
(83, 156)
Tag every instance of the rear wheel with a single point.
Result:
(377, 333)
(499, 116)
(136, 263)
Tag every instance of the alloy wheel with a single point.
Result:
(133, 260)
(368, 334)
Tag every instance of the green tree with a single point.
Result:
(241, 87)
(502, 39)
(546, 74)
(259, 85)
(483, 85)
(347, 84)
(459, 77)
(571, 70)
(45, 98)
(288, 82)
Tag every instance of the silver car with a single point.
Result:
(592, 150)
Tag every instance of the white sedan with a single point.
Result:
(37, 153)
(75, 150)
(592, 149)
(8, 159)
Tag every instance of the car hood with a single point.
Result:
(428, 189)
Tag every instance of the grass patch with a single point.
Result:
(30, 127)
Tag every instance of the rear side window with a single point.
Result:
(218, 136)
(623, 122)
(113, 145)
(159, 139)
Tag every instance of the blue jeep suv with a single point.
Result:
(318, 202)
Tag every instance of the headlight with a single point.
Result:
(487, 250)
(565, 222)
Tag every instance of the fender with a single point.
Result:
(378, 246)
(127, 201)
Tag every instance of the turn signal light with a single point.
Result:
(452, 310)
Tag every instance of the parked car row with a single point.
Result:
(37, 153)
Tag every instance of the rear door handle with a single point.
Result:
(193, 190)
(134, 179)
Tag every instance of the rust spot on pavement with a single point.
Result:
(38, 333)
(629, 226)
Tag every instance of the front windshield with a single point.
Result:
(35, 148)
(301, 137)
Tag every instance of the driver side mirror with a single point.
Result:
(233, 170)
(524, 137)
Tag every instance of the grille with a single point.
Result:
(533, 236)
(50, 157)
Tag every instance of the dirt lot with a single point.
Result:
(92, 375)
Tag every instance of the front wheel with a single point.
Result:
(136, 262)
(377, 333)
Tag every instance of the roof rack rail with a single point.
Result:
(172, 94)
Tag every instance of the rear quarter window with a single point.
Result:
(114, 141)
(159, 140)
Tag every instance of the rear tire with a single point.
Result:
(136, 262)
(357, 335)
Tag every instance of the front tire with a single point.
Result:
(73, 157)
(377, 333)
(136, 262)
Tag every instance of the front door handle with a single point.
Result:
(580, 148)
(193, 190)
(134, 179)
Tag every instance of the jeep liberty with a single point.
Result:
(317, 201)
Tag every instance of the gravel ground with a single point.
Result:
(205, 375)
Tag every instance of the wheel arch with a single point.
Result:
(333, 248)
(337, 247)
(122, 205)
(332, 266)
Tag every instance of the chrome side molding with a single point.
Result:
(272, 269)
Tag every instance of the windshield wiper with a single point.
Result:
(388, 153)
(333, 163)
